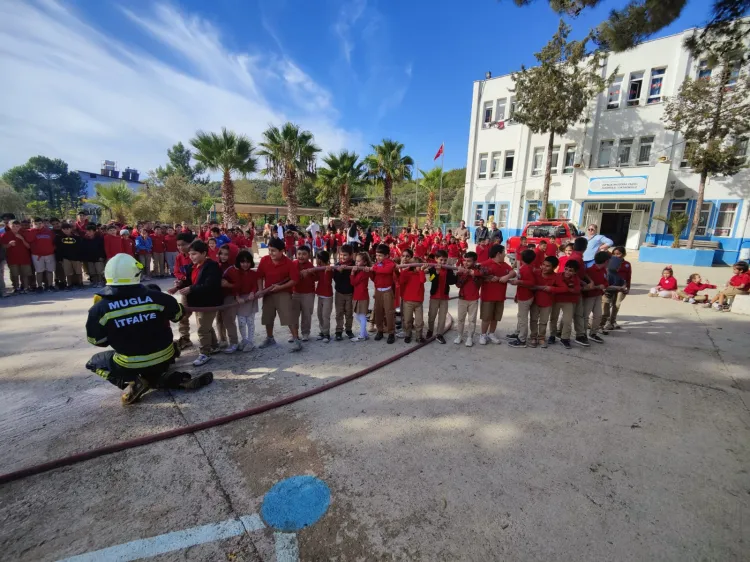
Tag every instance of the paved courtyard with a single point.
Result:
(637, 449)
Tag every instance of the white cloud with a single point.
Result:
(74, 93)
(349, 14)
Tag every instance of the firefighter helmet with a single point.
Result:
(123, 269)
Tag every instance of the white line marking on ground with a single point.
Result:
(287, 549)
(177, 540)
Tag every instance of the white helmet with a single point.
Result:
(123, 269)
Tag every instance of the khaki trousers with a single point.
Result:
(383, 311)
(206, 334)
(438, 308)
(524, 312)
(303, 305)
(226, 321)
(592, 306)
(145, 259)
(344, 310)
(20, 276)
(579, 326)
(539, 320)
(325, 306)
(412, 314)
(611, 306)
(469, 308)
(184, 324)
(565, 324)
(158, 264)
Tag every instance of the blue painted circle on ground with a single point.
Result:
(295, 503)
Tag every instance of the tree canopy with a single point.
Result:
(179, 164)
(49, 180)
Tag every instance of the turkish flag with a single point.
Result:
(439, 153)
(501, 124)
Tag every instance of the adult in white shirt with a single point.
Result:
(280, 230)
(314, 228)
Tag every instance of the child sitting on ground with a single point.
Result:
(739, 284)
(667, 287)
(694, 286)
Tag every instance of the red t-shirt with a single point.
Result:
(324, 288)
(540, 255)
(741, 281)
(412, 285)
(229, 272)
(483, 253)
(195, 273)
(277, 272)
(562, 261)
(669, 283)
(527, 277)
(454, 251)
(578, 256)
(440, 294)
(420, 250)
(543, 299)
(42, 241)
(306, 283)
(112, 246)
(17, 254)
(247, 281)
(599, 277)
(158, 244)
(213, 254)
(170, 242)
(469, 289)
(573, 286)
(360, 281)
(694, 288)
(492, 292)
(128, 245)
(382, 274)
(180, 263)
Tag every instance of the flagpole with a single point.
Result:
(416, 196)
(442, 170)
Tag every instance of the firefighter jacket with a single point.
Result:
(134, 321)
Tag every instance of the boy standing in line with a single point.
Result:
(565, 303)
(182, 261)
(92, 254)
(344, 293)
(441, 279)
(144, 246)
(68, 249)
(384, 311)
(170, 250)
(280, 275)
(18, 256)
(496, 273)
(525, 297)
(303, 296)
(412, 282)
(592, 296)
(324, 290)
(468, 283)
(579, 326)
(112, 243)
(544, 298)
(42, 241)
(159, 249)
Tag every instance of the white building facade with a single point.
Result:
(618, 170)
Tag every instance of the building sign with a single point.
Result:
(618, 185)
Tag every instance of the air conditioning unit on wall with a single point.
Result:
(533, 194)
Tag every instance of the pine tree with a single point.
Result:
(552, 97)
(713, 113)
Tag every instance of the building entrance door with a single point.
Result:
(615, 226)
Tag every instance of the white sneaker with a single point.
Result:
(357, 339)
(231, 349)
(483, 339)
(202, 360)
(469, 342)
(717, 306)
(305, 337)
(247, 345)
(691, 301)
(296, 345)
(457, 341)
(493, 338)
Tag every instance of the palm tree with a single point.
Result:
(228, 153)
(387, 165)
(431, 181)
(343, 172)
(290, 155)
(676, 223)
(115, 198)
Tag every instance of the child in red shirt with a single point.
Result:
(739, 284)
(496, 273)
(18, 256)
(667, 286)
(694, 286)
(567, 250)
(170, 250)
(158, 250)
(454, 252)
(526, 281)
(128, 243)
(548, 284)
(360, 279)
(226, 320)
(324, 290)
(441, 278)
(112, 242)
(411, 281)
(303, 296)
(521, 247)
(383, 310)
(182, 261)
(541, 253)
(592, 297)
(565, 303)
(244, 289)
(483, 251)
(279, 274)
(213, 250)
(469, 282)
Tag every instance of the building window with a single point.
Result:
(483, 166)
(478, 213)
(92, 176)
(510, 156)
(703, 219)
(533, 214)
(490, 211)
(675, 208)
(734, 74)
(644, 150)
(684, 163)
(704, 71)
(512, 108)
(654, 90)
(570, 159)
(495, 170)
(555, 159)
(634, 89)
(502, 215)
(613, 95)
(741, 149)
(725, 219)
(563, 211)
(623, 154)
(487, 114)
(536, 163)
(500, 110)
(605, 153)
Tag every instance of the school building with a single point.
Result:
(618, 170)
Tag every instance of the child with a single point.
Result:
(521, 248)
(411, 281)
(483, 251)
(567, 250)
(303, 295)
(279, 273)
(441, 279)
(592, 295)
(182, 261)
(92, 254)
(420, 249)
(127, 242)
(454, 252)
(158, 249)
(68, 251)
(18, 257)
(226, 319)
(112, 242)
(202, 288)
(621, 276)
(565, 303)
(360, 279)
(547, 285)
(541, 253)
(144, 247)
(42, 241)
(213, 249)
(695, 285)
(247, 284)
(383, 310)
(579, 246)
(739, 284)
(324, 290)
(170, 250)
(344, 291)
(468, 283)
(497, 273)
(525, 282)
(667, 287)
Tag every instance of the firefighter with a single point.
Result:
(134, 320)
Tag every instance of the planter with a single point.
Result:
(676, 256)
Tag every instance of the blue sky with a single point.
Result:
(126, 80)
